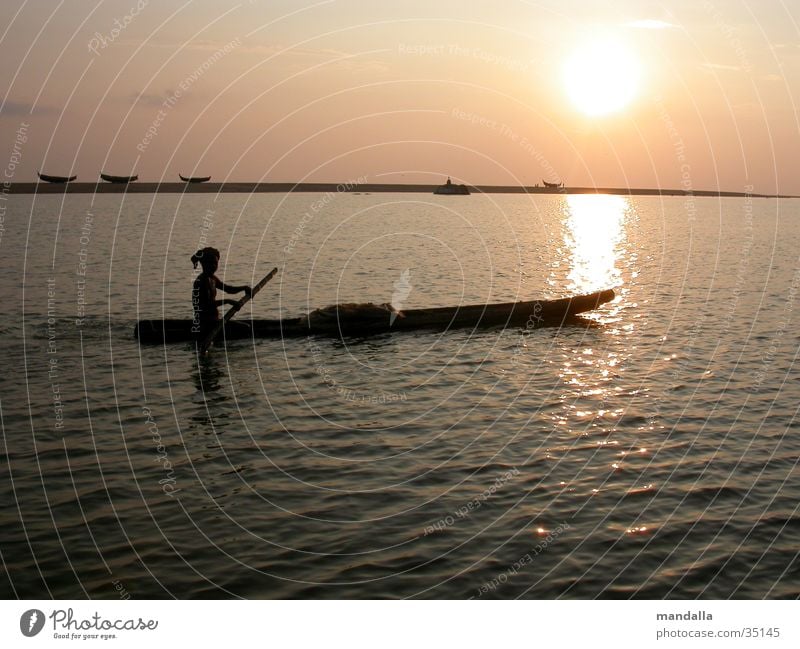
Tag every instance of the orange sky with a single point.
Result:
(400, 92)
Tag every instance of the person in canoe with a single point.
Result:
(204, 294)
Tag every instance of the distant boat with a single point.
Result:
(55, 179)
(554, 185)
(120, 180)
(195, 179)
(449, 189)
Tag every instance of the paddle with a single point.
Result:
(234, 310)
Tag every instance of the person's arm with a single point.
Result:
(232, 289)
(229, 289)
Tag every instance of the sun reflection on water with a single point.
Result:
(594, 233)
(595, 256)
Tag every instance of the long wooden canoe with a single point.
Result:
(55, 179)
(511, 314)
(120, 180)
(194, 179)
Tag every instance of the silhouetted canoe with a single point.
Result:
(375, 320)
(195, 179)
(55, 179)
(121, 180)
(547, 184)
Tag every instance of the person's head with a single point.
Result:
(208, 258)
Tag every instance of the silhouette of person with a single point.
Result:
(204, 293)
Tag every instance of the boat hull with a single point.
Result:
(512, 314)
(553, 185)
(119, 180)
(194, 179)
(57, 180)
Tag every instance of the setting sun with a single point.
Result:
(601, 77)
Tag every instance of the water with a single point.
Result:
(651, 454)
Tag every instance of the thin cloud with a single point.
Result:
(721, 66)
(344, 60)
(23, 109)
(149, 99)
(146, 99)
(308, 55)
(649, 23)
(788, 51)
(204, 46)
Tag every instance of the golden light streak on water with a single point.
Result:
(594, 234)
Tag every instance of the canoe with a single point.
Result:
(195, 179)
(55, 179)
(553, 185)
(338, 321)
(118, 179)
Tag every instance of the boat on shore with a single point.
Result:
(119, 180)
(449, 189)
(194, 179)
(55, 179)
(553, 185)
(370, 319)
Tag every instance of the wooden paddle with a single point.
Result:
(234, 310)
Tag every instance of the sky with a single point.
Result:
(703, 92)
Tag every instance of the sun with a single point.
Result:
(602, 77)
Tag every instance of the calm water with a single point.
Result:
(653, 454)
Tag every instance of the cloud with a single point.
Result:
(787, 51)
(721, 66)
(148, 99)
(203, 46)
(24, 109)
(187, 95)
(649, 23)
(305, 56)
(300, 55)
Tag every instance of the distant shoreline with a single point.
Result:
(259, 188)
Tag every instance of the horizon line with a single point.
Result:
(101, 187)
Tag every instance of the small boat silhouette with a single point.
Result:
(121, 180)
(55, 179)
(449, 189)
(194, 179)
